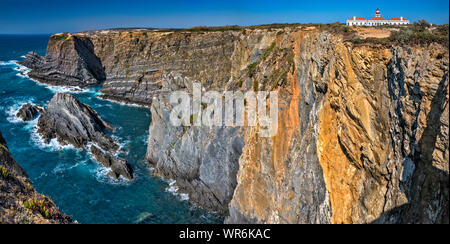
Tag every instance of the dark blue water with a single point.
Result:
(71, 177)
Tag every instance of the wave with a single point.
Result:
(119, 102)
(39, 141)
(173, 188)
(101, 172)
(14, 109)
(63, 167)
(9, 63)
(67, 89)
(101, 175)
(23, 71)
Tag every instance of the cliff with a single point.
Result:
(362, 129)
(19, 201)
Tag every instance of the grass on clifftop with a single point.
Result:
(418, 33)
(60, 37)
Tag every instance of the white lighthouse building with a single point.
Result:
(376, 20)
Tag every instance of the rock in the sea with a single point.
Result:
(73, 122)
(144, 217)
(119, 167)
(29, 112)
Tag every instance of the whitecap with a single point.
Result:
(23, 71)
(173, 188)
(101, 175)
(68, 89)
(9, 63)
(122, 103)
(52, 146)
(14, 109)
(62, 167)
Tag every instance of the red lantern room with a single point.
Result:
(377, 13)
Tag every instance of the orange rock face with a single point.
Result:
(366, 124)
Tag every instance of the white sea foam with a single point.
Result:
(9, 63)
(12, 111)
(62, 167)
(23, 71)
(121, 103)
(39, 141)
(122, 144)
(68, 89)
(101, 173)
(173, 188)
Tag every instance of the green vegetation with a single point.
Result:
(240, 83)
(252, 69)
(255, 85)
(4, 172)
(42, 206)
(60, 37)
(337, 28)
(418, 33)
(268, 51)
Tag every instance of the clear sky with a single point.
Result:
(50, 16)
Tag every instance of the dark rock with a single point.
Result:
(29, 112)
(16, 188)
(73, 122)
(119, 167)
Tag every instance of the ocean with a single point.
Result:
(71, 177)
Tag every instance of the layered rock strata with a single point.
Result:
(71, 122)
(362, 133)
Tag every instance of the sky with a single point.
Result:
(50, 16)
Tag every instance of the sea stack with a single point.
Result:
(73, 122)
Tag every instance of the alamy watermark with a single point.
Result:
(230, 108)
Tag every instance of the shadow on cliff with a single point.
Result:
(85, 49)
(428, 193)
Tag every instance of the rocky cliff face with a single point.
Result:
(362, 133)
(19, 201)
(70, 60)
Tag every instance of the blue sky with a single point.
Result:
(50, 16)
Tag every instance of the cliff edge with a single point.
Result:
(19, 201)
(362, 131)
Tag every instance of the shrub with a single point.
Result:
(419, 33)
(4, 172)
(252, 68)
(42, 206)
(268, 51)
(60, 37)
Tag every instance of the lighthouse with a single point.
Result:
(377, 20)
(377, 13)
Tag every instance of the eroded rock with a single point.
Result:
(119, 167)
(72, 122)
(29, 112)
